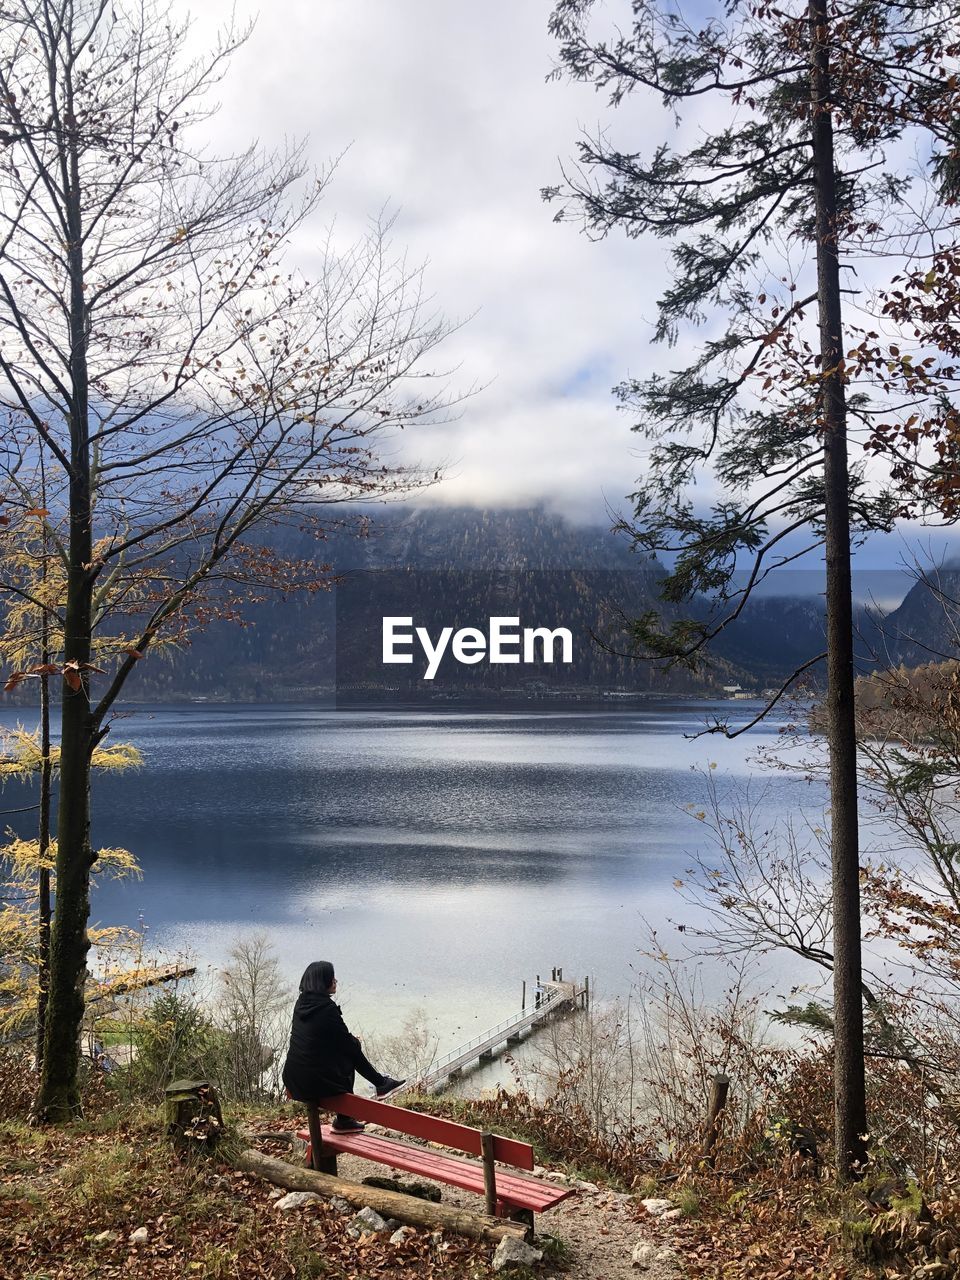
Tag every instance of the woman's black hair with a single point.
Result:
(317, 977)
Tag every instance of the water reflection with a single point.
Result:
(438, 858)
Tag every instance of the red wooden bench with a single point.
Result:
(507, 1194)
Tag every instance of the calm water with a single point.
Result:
(437, 858)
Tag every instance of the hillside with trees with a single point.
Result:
(282, 646)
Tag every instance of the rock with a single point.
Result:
(296, 1200)
(647, 1255)
(140, 1236)
(341, 1205)
(556, 1176)
(671, 1215)
(511, 1252)
(587, 1186)
(644, 1254)
(657, 1207)
(369, 1220)
(385, 1184)
(423, 1191)
(400, 1235)
(105, 1237)
(614, 1204)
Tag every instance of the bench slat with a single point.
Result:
(513, 1189)
(432, 1128)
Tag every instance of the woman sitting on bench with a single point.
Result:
(323, 1055)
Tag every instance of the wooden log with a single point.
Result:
(292, 1139)
(489, 1174)
(390, 1204)
(719, 1089)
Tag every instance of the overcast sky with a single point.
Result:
(446, 115)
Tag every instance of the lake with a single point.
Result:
(438, 858)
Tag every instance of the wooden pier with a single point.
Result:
(550, 999)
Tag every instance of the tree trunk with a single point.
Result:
(59, 1097)
(850, 1121)
(46, 784)
(43, 887)
(719, 1090)
(194, 1120)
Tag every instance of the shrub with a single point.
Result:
(176, 1038)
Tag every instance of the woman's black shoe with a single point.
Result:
(388, 1085)
(346, 1124)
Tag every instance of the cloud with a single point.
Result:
(449, 119)
(446, 116)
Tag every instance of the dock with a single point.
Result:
(550, 999)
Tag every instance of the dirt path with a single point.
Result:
(599, 1229)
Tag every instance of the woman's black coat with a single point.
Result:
(322, 1053)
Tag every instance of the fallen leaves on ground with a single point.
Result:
(60, 1189)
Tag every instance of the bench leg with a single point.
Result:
(326, 1161)
(321, 1158)
(525, 1216)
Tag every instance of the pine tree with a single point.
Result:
(803, 113)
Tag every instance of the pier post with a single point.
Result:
(718, 1100)
(523, 997)
(586, 992)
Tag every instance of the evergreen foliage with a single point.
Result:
(793, 184)
(743, 419)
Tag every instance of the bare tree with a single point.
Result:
(765, 887)
(253, 1008)
(186, 385)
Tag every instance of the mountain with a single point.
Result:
(452, 567)
(456, 567)
(925, 626)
